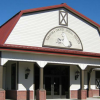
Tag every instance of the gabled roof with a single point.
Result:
(6, 29)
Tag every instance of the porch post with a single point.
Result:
(82, 92)
(2, 91)
(41, 78)
(82, 79)
(1, 77)
(41, 93)
(90, 92)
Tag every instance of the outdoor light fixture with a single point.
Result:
(27, 71)
(77, 74)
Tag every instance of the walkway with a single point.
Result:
(94, 98)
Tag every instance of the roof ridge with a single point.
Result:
(43, 8)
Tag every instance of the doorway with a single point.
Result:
(56, 81)
(52, 86)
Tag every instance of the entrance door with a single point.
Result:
(52, 86)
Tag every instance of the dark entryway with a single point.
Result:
(56, 81)
(52, 86)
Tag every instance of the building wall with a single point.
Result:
(92, 80)
(25, 84)
(32, 28)
(88, 34)
(74, 84)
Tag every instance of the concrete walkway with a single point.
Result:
(94, 98)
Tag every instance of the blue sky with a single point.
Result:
(89, 8)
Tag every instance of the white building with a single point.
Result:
(54, 50)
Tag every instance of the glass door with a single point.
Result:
(52, 86)
(47, 86)
(56, 85)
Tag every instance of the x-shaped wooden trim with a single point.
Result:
(63, 17)
(98, 83)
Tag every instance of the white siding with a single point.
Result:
(88, 34)
(25, 84)
(74, 84)
(31, 30)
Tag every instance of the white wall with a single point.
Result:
(31, 30)
(26, 84)
(87, 33)
(74, 84)
(23, 84)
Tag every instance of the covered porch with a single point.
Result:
(45, 76)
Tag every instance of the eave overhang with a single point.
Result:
(50, 51)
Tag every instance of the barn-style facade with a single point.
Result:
(49, 53)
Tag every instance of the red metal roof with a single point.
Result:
(6, 29)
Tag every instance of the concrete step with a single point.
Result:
(9, 99)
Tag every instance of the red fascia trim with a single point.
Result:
(42, 8)
(43, 50)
